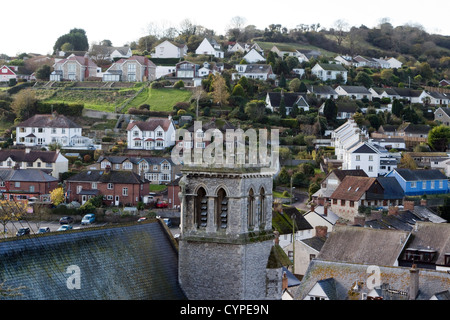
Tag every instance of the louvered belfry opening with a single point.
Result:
(201, 208)
(221, 209)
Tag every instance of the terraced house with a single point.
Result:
(117, 187)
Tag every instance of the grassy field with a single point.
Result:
(160, 99)
(108, 100)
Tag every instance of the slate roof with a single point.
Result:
(315, 242)
(214, 125)
(345, 275)
(341, 174)
(420, 175)
(113, 176)
(25, 175)
(136, 261)
(134, 160)
(321, 89)
(392, 189)
(290, 98)
(48, 121)
(151, 124)
(363, 245)
(414, 128)
(282, 222)
(355, 89)
(20, 155)
(332, 67)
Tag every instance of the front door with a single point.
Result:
(83, 199)
(116, 201)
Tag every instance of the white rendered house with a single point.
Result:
(45, 129)
(167, 49)
(153, 134)
(210, 47)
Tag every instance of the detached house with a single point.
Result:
(133, 69)
(6, 73)
(210, 47)
(442, 115)
(42, 130)
(354, 92)
(117, 187)
(329, 72)
(153, 134)
(167, 49)
(253, 71)
(100, 52)
(74, 68)
(274, 99)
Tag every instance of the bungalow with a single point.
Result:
(420, 182)
(152, 134)
(100, 52)
(117, 187)
(354, 92)
(362, 61)
(434, 98)
(167, 49)
(274, 99)
(254, 71)
(210, 47)
(322, 92)
(330, 72)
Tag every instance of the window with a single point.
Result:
(127, 165)
(135, 133)
(370, 158)
(31, 188)
(110, 186)
(251, 209)
(79, 188)
(201, 208)
(312, 257)
(53, 130)
(17, 184)
(94, 185)
(105, 164)
(165, 177)
(370, 169)
(109, 197)
(221, 209)
(334, 201)
(413, 184)
(441, 184)
(358, 167)
(125, 192)
(358, 158)
(432, 184)
(352, 203)
(342, 203)
(159, 134)
(166, 166)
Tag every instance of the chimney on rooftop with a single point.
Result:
(284, 282)
(408, 205)
(321, 231)
(393, 210)
(325, 209)
(423, 202)
(413, 282)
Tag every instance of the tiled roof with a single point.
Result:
(138, 261)
(352, 188)
(25, 175)
(48, 121)
(341, 174)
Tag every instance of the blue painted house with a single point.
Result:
(419, 182)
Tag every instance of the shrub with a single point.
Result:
(179, 84)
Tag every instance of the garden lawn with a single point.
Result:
(160, 99)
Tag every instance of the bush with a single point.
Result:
(179, 84)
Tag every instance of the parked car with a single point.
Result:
(142, 219)
(44, 230)
(66, 220)
(162, 204)
(65, 227)
(168, 222)
(23, 231)
(88, 219)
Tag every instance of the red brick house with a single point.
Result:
(7, 73)
(173, 188)
(117, 187)
(26, 184)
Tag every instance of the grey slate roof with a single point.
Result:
(31, 175)
(419, 175)
(346, 274)
(48, 121)
(136, 261)
(111, 177)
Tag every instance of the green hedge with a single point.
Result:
(67, 109)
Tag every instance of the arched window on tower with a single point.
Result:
(262, 207)
(221, 209)
(201, 208)
(251, 209)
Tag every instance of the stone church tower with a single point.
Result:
(226, 234)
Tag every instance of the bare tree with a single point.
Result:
(340, 29)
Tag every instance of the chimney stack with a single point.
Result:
(408, 205)
(414, 282)
(359, 220)
(321, 231)
(393, 210)
(423, 202)
(284, 282)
